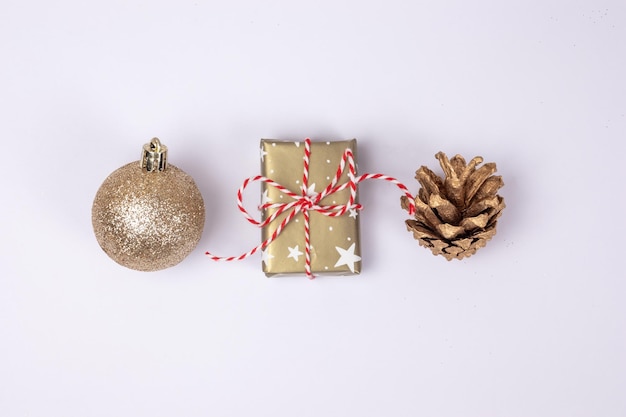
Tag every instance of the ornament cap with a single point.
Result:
(154, 156)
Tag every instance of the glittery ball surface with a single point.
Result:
(148, 221)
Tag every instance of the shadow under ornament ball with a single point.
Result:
(148, 216)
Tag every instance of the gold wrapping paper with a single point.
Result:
(335, 245)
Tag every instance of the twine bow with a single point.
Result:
(304, 202)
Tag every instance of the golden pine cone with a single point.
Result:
(456, 216)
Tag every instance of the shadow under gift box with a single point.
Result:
(335, 245)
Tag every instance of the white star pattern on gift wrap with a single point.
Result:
(294, 253)
(353, 213)
(263, 153)
(311, 191)
(265, 198)
(347, 257)
(265, 257)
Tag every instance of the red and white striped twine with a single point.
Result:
(303, 203)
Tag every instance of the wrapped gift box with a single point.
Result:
(335, 246)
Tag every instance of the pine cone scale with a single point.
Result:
(431, 182)
(445, 210)
(428, 216)
(449, 231)
(478, 222)
(476, 180)
(420, 230)
(464, 243)
(489, 188)
(481, 206)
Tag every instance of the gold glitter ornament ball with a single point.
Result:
(149, 215)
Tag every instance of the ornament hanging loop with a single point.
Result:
(154, 156)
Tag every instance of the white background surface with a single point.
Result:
(533, 325)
